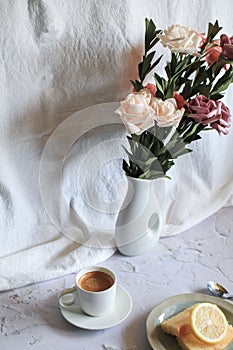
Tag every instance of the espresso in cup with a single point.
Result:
(96, 290)
(95, 281)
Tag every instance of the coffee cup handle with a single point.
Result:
(67, 297)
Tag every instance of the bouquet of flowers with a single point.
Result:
(164, 117)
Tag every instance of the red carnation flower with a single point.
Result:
(210, 112)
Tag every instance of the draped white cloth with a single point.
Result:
(60, 173)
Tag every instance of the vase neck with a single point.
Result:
(138, 189)
(139, 183)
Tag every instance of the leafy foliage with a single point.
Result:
(146, 66)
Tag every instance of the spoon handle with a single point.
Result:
(227, 296)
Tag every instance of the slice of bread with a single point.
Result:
(179, 326)
(188, 341)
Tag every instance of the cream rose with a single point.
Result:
(166, 112)
(180, 39)
(136, 114)
(147, 94)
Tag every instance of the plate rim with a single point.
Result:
(177, 299)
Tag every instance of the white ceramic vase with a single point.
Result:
(139, 222)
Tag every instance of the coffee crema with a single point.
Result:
(95, 281)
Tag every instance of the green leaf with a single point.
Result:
(127, 152)
(150, 33)
(187, 91)
(181, 152)
(137, 85)
(218, 66)
(151, 38)
(201, 76)
(213, 30)
(216, 96)
(173, 64)
(160, 82)
(193, 68)
(170, 89)
(144, 66)
(152, 174)
(155, 63)
(224, 82)
(203, 90)
(192, 132)
(150, 161)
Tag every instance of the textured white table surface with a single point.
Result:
(30, 317)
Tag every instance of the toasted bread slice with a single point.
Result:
(188, 341)
(178, 324)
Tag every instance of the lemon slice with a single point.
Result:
(208, 323)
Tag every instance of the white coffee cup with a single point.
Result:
(96, 290)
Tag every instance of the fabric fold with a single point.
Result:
(62, 64)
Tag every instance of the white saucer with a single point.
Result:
(74, 315)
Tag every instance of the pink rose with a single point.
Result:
(213, 54)
(210, 112)
(227, 46)
(152, 88)
(203, 40)
(180, 101)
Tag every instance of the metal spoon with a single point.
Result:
(218, 290)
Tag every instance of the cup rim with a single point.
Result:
(87, 269)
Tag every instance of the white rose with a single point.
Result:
(166, 112)
(136, 114)
(180, 39)
(147, 94)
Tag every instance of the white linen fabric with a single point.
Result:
(60, 173)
